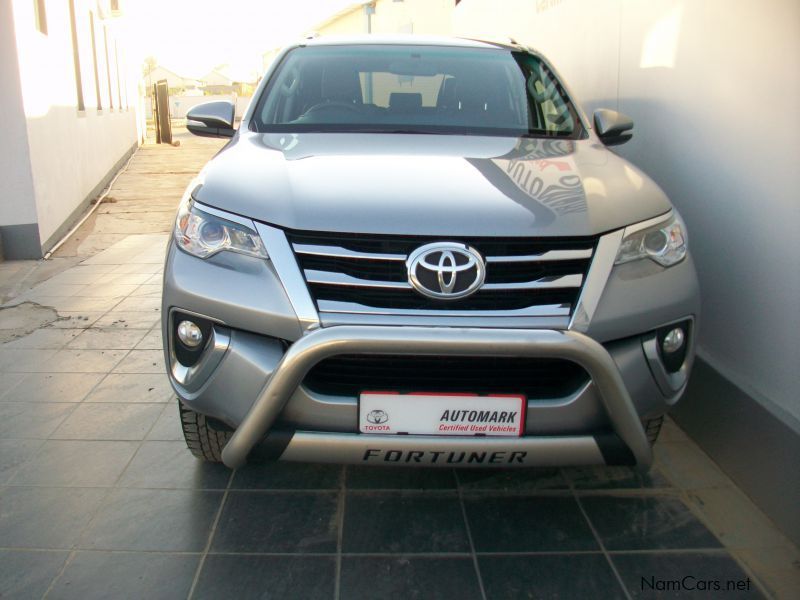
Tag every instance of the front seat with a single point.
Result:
(340, 83)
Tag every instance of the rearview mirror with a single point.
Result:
(612, 128)
(212, 119)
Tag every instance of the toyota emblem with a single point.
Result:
(377, 416)
(446, 270)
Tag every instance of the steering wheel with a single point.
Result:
(332, 105)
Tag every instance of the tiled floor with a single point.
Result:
(99, 497)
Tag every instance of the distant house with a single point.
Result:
(69, 115)
(216, 82)
(176, 83)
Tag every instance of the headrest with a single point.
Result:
(405, 102)
(340, 83)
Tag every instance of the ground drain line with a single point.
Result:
(91, 210)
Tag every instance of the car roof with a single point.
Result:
(405, 39)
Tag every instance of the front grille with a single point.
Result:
(536, 378)
(367, 274)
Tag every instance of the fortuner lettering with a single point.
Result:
(434, 456)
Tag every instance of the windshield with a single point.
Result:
(415, 89)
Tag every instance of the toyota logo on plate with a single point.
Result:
(377, 416)
(446, 270)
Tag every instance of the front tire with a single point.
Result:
(652, 427)
(203, 441)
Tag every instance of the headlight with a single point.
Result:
(202, 234)
(664, 243)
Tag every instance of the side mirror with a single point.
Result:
(212, 119)
(612, 128)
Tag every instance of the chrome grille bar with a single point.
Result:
(338, 252)
(545, 256)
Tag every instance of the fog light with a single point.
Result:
(189, 334)
(673, 341)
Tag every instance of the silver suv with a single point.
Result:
(419, 251)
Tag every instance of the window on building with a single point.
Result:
(41, 15)
(94, 56)
(76, 59)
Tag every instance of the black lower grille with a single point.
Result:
(537, 378)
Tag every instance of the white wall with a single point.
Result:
(17, 205)
(71, 151)
(714, 89)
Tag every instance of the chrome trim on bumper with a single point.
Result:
(323, 343)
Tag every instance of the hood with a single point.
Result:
(440, 185)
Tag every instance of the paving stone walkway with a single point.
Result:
(99, 497)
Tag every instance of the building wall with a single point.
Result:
(431, 17)
(72, 151)
(16, 194)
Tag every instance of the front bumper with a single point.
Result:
(527, 451)
(252, 383)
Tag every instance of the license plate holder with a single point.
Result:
(436, 413)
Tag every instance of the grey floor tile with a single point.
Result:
(14, 453)
(133, 387)
(109, 422)
(153, 520)
(76, 319)
(45, 339)
(307, 577)
(75, 463)
(687, 466)
(54, 387)
(287, 476)
(512, 479)
(82, 361)
(128, 320)
(139, 304)
(105, 575)
(28, 573)
(549, 576)
(8, 381)
(20, 420)
(170, 465)
(646, 523)
(399, 478)
(148, 290)
(76, 304)
(403, 523)
(528, 524)
(142, 361)
(151, 341)
(23, 360)
(168, 425)
(277, 522)
(107, 339)
(684, 575)
(408, 577)
(609, 478)
(37, 517)
(107, 290)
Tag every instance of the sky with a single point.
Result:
(191, 37)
